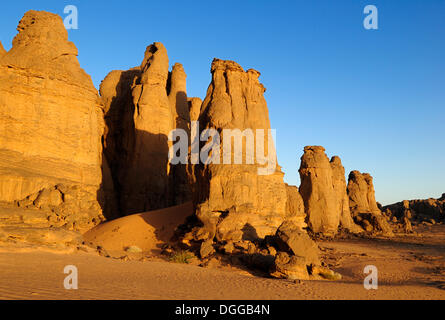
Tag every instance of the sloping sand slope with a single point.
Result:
(147, 231)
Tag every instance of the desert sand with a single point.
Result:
(409, 268)
(147, 231)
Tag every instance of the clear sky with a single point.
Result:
(376, 98)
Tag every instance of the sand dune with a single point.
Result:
(147, 231)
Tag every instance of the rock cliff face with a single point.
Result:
(51, 125)
(143, 105)
(234, 201)
(363, 205)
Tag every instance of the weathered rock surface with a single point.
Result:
(2, 50)
(291, 239)
(298, 256)
(194, 108)
(143, 105)
(233, 201)
(363, 205)
(340, 189)
(317, 190)
(177, 96)
(30, 228)
(51, 125)
(323, 189)
(406, 216)
(417, 211)
(295, 207)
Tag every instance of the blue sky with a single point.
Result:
(376, 98)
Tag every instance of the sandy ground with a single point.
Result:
(409, 268)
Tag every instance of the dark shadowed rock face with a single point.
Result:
(233, 200)
(363, 205)
(143, 105)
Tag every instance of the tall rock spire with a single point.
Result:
(233, 201)
(143, 105)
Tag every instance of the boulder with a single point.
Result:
(206, 249)
(290, 239)
(298, 256)
(289, 267)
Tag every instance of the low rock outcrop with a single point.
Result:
(417, 211)
(363, 205)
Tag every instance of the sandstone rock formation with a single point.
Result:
(2, 50)
(407, 215)
(23, 228)
(339, 183)
(177, 96)
(295, 207)
(317, 190)
(51, 124)
(417, 211)
(233, 201)
(323, 188)
(194, 108)
(363, 205)
(298, 256)
(143, 105)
